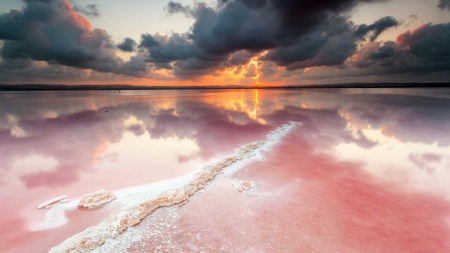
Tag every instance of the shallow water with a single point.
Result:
(367, 170)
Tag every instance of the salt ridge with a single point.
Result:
(143, 203)
(96, 199)
(52, 201)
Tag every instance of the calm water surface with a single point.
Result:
(367, 171)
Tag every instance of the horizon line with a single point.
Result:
(56, 87)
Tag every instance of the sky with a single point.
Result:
(224, 42)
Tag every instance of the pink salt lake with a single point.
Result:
(366, 171)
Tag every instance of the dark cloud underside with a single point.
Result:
(292, 34)
(51, 31)
(88, 10)
(298, 34)
(422, 50)
(444, 4)
(127, 45)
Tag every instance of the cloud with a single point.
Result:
(382, 52)
(173, 8)
(94, 130)
(51, 31)
(295, 34)
(414, 16)
(325, 118)
(148, 41)
(251, 72)
(239, 58)
(88, 10)
(291, 40)
(424, 49)
(29, 71)
(376, 28)
(127, 45)
(444, 4)
(428, 42)
(331, 45)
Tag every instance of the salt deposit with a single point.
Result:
(96, 199)
(52, 201)
(54, 218)
(132, 214)
(244, 185)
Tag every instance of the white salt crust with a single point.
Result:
(142, 203)
(55, 217)
(52, 201)
(96, 199)
(244, 185)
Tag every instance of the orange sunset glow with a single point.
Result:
(218, 47)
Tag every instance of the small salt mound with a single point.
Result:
(53, 218)
(52, 201)
(96, 199)
(244, 186)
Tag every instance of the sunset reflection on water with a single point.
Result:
(389, 142)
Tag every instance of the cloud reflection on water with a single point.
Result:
(151, 136)
(74, 131)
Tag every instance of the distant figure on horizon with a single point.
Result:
(119, 91)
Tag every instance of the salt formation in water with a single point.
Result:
(130, 215)
(53, 201)
(96, 199)
(244, 186)
(54, 218)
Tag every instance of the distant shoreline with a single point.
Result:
(61, 87)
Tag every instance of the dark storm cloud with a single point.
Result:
(173, 8)
(382, 52)
(331, 44)
(29, 71)
(298, 34)
(376, 28)
(51, 31)
(444, 4)
(268, 70)
(88, 10)
(148, 41)
(239, 58)
(187, 58)
(127, 45)
(428, 42)
(424, 49)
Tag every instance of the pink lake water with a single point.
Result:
(368, 170)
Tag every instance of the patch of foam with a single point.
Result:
(54, 218)
(244, 185)
(96, 199)
(53, 201)
(141, 204)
